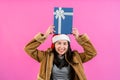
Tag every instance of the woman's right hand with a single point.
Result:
(49, 31)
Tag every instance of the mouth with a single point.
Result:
(61, 50)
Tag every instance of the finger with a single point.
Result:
(74, 28)
(54, 31)
(51, 27)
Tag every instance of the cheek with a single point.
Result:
(56, 47)
(66, 46)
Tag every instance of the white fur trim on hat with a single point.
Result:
(60, 37)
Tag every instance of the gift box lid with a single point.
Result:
(63, 20)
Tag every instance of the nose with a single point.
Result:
(61, 46)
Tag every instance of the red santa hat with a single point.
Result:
(59, 37)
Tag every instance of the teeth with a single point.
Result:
(61, 50)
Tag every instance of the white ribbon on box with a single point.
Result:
(60, 14)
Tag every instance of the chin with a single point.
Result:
(61, 53)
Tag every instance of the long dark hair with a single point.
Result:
(62, 62)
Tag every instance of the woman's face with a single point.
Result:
(61, 47)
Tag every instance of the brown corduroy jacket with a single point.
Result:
(46, 57)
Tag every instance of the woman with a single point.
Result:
(59, 62)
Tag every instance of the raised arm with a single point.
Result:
(89, 50)
(31, 47)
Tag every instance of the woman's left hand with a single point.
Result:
(75, 32)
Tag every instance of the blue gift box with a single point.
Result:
(63, 18)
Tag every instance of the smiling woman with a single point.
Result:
(61, 47)
(61, 43)
(60, 62)
(21, 19)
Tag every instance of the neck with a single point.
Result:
(61, 56)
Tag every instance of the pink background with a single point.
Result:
(20, 20)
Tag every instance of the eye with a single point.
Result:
(65, 43)
(58, 42)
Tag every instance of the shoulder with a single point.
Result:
(76, 56)
(75, 53)
(49, 51)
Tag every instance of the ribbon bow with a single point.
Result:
(59, 13)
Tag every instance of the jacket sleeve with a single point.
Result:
(89, 50)
(31, 47)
